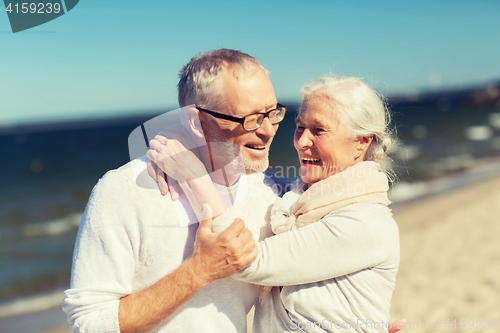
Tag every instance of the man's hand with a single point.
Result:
(219, 255)
(397, 326)
(215, 256)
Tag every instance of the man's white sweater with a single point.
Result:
(130, 237)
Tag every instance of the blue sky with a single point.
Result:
(121, 57)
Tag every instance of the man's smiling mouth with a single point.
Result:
(256, 147)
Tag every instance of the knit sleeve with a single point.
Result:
(345, 241)
(105, 254)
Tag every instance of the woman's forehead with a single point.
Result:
(318, 110)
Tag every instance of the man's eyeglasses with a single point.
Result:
(253, 121)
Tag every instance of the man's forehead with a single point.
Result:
(248, 94)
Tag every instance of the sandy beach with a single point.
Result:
(450, 262)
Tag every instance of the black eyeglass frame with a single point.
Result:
(242, 120)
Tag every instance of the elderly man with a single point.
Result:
(131, 276)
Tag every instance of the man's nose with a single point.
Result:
(266, 128)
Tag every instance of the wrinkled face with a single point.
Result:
(245, 96)
(323, 144)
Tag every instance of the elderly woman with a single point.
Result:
(336, 252)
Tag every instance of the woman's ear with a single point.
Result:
(363, 143)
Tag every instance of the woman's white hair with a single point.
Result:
(200, 80)
(362, 111)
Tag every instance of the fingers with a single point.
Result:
(175, 144)
(160, 138)
(158, 176)
(249, 250)
(158, 149)
(207, 214)
(397, 326)
(162, 182)
(152, 155)
(248, 257)
(152, 171)
(173, 188)
(207, 218)
(222, 254)
(242, 251)
(158, 153)
(233, 231)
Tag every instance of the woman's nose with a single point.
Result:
(304, 139)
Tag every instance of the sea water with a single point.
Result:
(48, 171)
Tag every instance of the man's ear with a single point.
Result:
(193, 116)
(363, 143)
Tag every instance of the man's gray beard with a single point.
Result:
(250, 167)
(255, 167)
(239, 164)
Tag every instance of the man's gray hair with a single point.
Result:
(200, 80)
(362, 111)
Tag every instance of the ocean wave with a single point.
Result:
(52, 228)
(34, 303)
(475, 172)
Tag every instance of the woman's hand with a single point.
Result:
(170, 154)
(169, 151)
(162, 165)
(160, 178)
